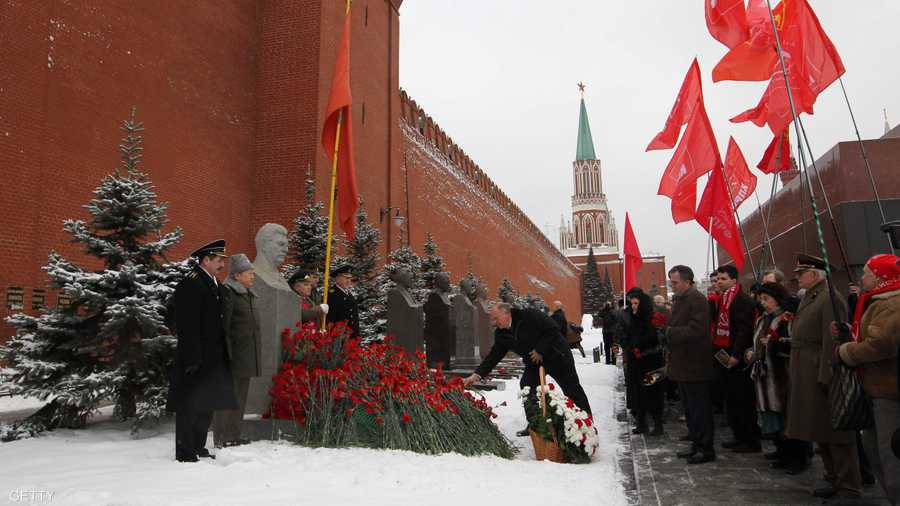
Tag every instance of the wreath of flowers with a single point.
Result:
(573, 428)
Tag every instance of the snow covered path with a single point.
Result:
(103, 465)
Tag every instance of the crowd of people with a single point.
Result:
(765, 357)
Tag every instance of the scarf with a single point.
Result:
(722, 338)
(887, 269)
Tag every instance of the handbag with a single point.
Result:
(851, 408)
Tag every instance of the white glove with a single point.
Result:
(324, 308)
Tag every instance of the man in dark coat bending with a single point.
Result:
(536, 338)
(201, 379)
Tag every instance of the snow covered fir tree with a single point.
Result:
(307, 239)
(592, 299)
(111, 342)
(363, 259)
(432, 262)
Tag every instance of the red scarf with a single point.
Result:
(722, 339)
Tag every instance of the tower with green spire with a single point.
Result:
(592, 226)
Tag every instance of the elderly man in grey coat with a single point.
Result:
(812, 352)
(239, 320)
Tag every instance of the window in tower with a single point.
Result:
(588, 230)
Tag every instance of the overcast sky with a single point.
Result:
(500, 77)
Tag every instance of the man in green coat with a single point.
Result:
(812, 352)
(239, 320)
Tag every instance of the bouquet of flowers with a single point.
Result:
(568, 426)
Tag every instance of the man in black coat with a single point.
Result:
(609, 333)
(341, 303)
(734, 334)
(201, 379)
(559, 316)
(536, 338)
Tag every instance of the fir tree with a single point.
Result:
(591, 295)
(111, 342)
(507, 293)
(606, 288)
(307, 240)
(363, 262)
(432, 263)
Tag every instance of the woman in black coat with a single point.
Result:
(648, 357)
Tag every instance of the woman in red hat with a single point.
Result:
(876, 336)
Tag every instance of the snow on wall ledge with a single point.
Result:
(477, 226)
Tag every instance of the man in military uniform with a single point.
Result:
(341, 303)
(812, 353)
(201, 379)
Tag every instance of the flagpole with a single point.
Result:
(862, 149)
(765, 224)
(740, 225)
(328, 241)
(812, 195)
(328, 238)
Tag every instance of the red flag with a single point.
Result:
(339, 106)
(689, 95)
(754, 58)
(817, 63)
(727, 21)
(778, 155)
(696, 154)
(741, 182)
(812, 63)
(715, 214)
(633, 258)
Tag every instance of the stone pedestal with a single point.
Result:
(467, 353)
(405, 320)
(439, 328)
(278, 309)
(484, 330)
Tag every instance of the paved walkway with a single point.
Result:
(661, 478)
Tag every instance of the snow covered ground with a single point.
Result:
(103, 465)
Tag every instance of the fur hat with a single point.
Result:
(239, 263)
(775, 291)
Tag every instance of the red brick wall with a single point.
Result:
(232, 97)
(653, 274)
(70, 73)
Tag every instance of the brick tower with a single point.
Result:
(592, 225)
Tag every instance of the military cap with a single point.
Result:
(342, 270)
(216, 248)
(807, 262)
(300, 275)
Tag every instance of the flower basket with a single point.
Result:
(546, 449)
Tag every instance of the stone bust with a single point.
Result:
(468, 288)
(442, 286)
(404, 281)
(271, 250)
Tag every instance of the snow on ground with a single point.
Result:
(104, 465)
(19, 403)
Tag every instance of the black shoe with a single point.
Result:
(686, 437)
(779, 464)
(522, 433)
(868, 479)
(186, 458)
(747, 448)
(795, 468)
(776, 455)
(831, 492)
(700, 458)
(203, 453)
(731, 444)
(686, 454)
(639, 430)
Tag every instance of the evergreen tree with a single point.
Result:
(606, 288)
(591, 295)
(363, 260)
(432, 263)
(403, 257)
(111, 342)
(307, 240)
(506, 292)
